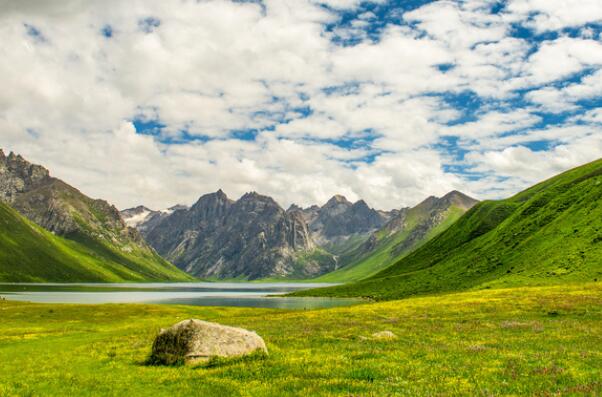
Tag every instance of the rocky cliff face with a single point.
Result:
(17, 176)
(252, 237)
(340, 218)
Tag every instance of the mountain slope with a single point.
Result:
(95, 225)
(550, 233)
(405, 231)
(30, 253)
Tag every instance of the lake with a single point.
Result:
(196, 294)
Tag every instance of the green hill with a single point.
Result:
(548, 234)
(404, 233)
(30, 253)
(50, 231)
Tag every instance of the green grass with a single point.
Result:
(548, 234)
(508, 342)
(31, 253)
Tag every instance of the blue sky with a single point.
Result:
(156, 102)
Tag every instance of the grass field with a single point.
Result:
(526, 341)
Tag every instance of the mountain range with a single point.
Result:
(254, 237)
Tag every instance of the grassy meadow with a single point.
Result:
(542, 341)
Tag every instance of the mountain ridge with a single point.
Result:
(94, 225)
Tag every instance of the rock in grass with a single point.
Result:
(195, 340)
(384, 335)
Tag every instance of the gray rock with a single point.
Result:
(194, 340)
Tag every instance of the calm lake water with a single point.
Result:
(197, 294)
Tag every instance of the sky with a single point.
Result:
(157, 102)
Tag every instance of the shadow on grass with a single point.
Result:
(210, 362)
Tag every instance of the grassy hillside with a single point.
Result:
(30, 253)
(513, 342)
(550, 233)
(389, 248)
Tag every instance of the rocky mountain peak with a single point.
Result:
(61, 208)
(428, 203)
(254, 197)
(336, 200)
(339, 217)
(361, 205)
(255, 203)
(212, 199)
(459, 199)
(136, 215)
(294, 207)
(17, 175)
(138, 210)
(220, 193)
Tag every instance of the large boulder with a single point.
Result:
(195, 340)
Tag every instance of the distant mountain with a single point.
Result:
(406, 230)
(339, 218)
(255, 238)
(137, 215)
(95, 225)
(252, 237)
(144, 219)
(550, 233)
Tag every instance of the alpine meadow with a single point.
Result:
(301, 198)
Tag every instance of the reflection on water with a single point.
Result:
(197, 294)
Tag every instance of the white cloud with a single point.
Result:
(494, 123)
(529, 166)
(216, 66)
(560, 58)
(556, 14)
(458, 25)
(558, 100)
